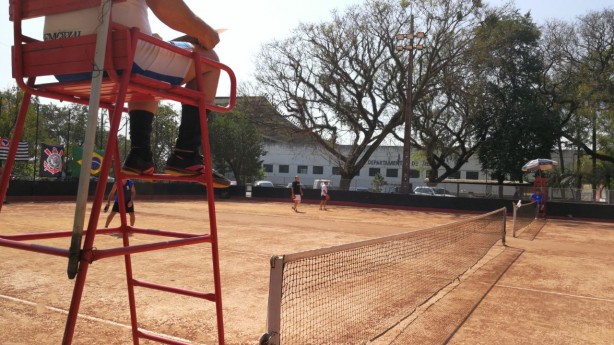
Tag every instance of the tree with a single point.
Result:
(447, 89)
(518, 125)
(378, 182)
(164, 132)
(34, 131)
(10, 100)
(580, 60)
(336, 82)
(65, 126)
(236, 143)
(342, 82)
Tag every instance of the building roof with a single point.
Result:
(273, 126)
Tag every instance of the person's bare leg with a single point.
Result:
(211, 76)
(151, 106)
(109, 219)
(132, 218)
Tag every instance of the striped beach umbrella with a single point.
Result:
(539, 164)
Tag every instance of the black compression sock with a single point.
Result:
(189, 130)
(141, 123)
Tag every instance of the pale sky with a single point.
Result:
(253, 23)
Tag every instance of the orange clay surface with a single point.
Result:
(555, 289)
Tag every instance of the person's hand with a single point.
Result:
(130, 203)
(209, 38)
(106, 208)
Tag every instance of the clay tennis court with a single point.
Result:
(557, 288)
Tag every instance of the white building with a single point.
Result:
(283, 161)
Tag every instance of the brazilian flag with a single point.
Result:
(77, 154)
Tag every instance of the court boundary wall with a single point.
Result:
(24, 191)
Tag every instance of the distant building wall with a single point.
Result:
(283, 161)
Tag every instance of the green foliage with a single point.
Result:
(163, 136)
(580, 87)
(378, 182)
(50, 123)
(343, 82)
(517, 124)
(236, 144)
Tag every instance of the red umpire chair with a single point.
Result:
(113, 48)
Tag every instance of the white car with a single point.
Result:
(435, 191)
(263, 184)
(359, 189)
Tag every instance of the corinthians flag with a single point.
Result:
(52, 158)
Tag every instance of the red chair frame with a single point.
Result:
(32, 59)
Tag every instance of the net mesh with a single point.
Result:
(351, 294)
(532, 230)
(524, 215)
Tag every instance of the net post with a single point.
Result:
(274, 309)
(515, 207)
(503, 225)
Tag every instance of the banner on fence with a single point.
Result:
(52, 160)
(77, 154)
(22, 150)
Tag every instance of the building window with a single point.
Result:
(472, 175)
(284, 169)
(455, 175)
(413, 173)
(336, 171)
(392, 172)
(373, 171)
(302, 169)
(267, 168)
(318, 170)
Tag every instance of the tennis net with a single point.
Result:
(354, 293)
(524, 215)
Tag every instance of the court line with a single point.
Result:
(557, 293)
(93, 318)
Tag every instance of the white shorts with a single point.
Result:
(297, 197)
(152, 61)
(158, 63)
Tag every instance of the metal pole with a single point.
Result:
(35, 145)
(126, 124)
(409, 112)
(90, 137)
(67, 145)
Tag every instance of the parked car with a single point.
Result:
(263, 183)
(435, 191)
(110, 179)
(359, 189)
